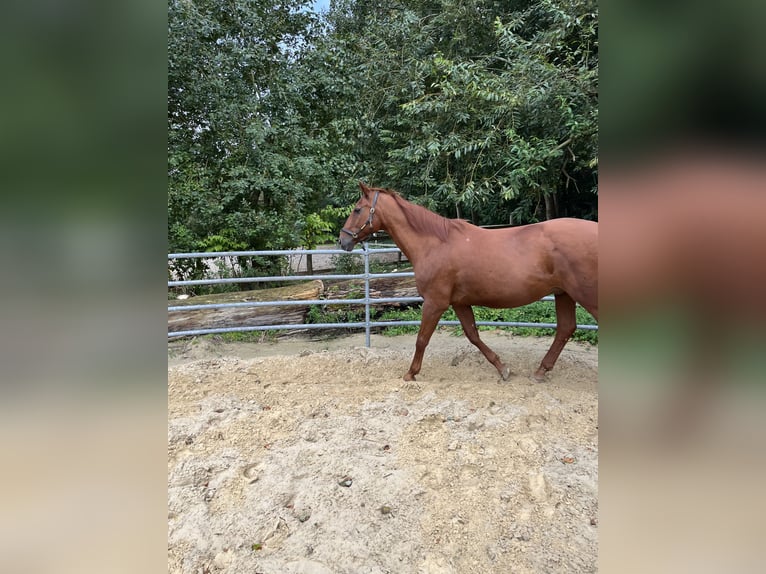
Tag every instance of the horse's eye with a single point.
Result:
(357, 209)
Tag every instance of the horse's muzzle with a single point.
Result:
(346, 242)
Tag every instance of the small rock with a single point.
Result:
(303, 515)
(385, 509)
(594, 521)
(453, 446)
(346, 481)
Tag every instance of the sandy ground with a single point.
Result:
(315, 457)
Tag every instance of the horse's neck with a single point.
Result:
(414, 244)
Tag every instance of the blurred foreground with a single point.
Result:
(682, 363)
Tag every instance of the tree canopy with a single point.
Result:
(479, 109)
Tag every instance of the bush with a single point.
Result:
(538, 312)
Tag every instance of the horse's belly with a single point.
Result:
(498, 294)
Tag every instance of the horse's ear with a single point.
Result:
(364, 188)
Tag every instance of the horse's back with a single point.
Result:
(571, 225)
(578, 238)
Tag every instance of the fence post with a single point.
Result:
(366, 295)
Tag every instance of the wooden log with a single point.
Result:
(382, 287)
(182, 320)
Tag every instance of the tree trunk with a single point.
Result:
(550, 205)
(381, 287)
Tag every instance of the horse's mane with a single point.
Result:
(421, 219)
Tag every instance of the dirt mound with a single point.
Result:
(315, 457)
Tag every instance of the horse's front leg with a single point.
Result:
(468, 322)
(432, 312)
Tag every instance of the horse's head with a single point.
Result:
(362, 222)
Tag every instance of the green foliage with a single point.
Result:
(241, 153)
(481, 109)
(347, 264)
(322, 227)
(244, 337)
(335, 314)
(217, 243)
(538, 312)
(476, 109)
(316, 231)
(410, 314)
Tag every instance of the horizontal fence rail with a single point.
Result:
(368, 324)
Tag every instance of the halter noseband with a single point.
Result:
(368, 222)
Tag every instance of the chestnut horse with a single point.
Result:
(459, 264)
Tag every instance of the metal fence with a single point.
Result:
(368, 324)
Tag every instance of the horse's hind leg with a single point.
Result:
(565, 327)
(468, 321)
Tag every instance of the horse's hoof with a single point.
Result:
(506, 373)
(409, 377)
(539, 376)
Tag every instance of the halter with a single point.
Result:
(368, 222)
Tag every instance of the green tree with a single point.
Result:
(475, 108)
(240, 162)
